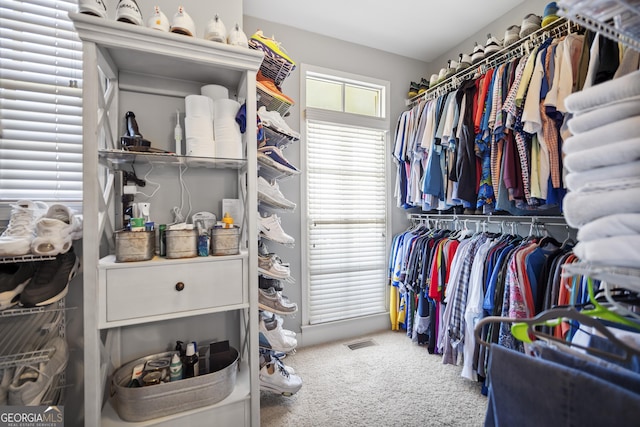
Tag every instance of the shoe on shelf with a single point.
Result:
(511, 35)
(273, 157)
(268, 357)
(275, 378)
(216, 31)
(478, 53)
(30, 383)
(6, 376)
(270, 47)
(270, 88)
(56, 230)
(271, 267)
(274, 120)
(237, 37)
(424, 86)
(272, 300)
(492, 46)
(433, 80)
(272, 320)
(158, 20)
(50, 282)
(464, 61)
(270, 228)
(14, 277)
(93, 7)
(414, 88)
(269, 282)
(270, 193)
(17, 237)
(274, 339)
(530, 24)
(182, 23)
(129, 12)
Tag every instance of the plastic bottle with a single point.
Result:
(175, 369)
(191, 367)
(227, 220)
(177, 133)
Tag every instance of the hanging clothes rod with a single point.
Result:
(491, 219)
(559, 28)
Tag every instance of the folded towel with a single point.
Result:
(577, 180)
(607, 155)
(619, 251)
(612, 132)
(614, 112)
(627, 86)
(610, 226)
(589, 204)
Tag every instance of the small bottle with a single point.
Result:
(227, 220)
(177, 133)
(175, 369)
(191, 368)
(162, 229)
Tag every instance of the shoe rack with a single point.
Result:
(143, 301)
(275, 70)
(25, 332)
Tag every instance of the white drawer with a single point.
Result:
(157, 290)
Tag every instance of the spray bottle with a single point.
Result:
(177, 133)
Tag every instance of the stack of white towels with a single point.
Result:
(211, 129)
(602, 159)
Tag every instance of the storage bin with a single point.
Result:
(144, 403)
(181, 243)
(225, 241)
(134, 245)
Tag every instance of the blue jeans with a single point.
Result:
(529, 391)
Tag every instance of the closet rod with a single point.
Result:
(558, 28)
(492, 219)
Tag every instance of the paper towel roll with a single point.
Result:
(215, 92)
(199, 136)
(228, 139)
(198, 106)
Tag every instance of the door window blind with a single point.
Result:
(346, 199)
(40, 102)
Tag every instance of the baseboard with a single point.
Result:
(343, 329)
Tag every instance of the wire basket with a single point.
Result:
(272, 103)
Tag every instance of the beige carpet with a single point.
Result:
(393, 383)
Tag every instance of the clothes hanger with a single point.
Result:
(525, 330)
(602, 312)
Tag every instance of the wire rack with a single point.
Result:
(618, 20)
(271, 103)
(273, 67)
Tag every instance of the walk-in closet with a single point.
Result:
(319, 213)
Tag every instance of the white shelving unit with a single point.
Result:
(120, 58)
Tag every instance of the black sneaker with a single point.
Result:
(14, 277)
(267, 282)
(51, 280)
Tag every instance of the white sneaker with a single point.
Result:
(237, 37)
(276, 339)
(270, 228)
(183, 23)
(56, 230)
(30, 383)
(16, 239)
(271, 194)
(93, 7)
(267, 359)
(274, 318)
(275, 378)
(216, 31)
(158, 20)
(270, 267)
(274, 120)
(274, 301)
(128, 11)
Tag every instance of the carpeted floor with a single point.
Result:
(393, 383)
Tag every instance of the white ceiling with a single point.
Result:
(419, 29)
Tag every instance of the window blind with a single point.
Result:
(40, 102)
(346, 199)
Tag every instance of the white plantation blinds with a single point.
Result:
(346, 200)
(40, 101)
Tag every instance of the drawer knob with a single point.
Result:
(179, 286)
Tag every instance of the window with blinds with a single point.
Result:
(40, 102)
(346, 200)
